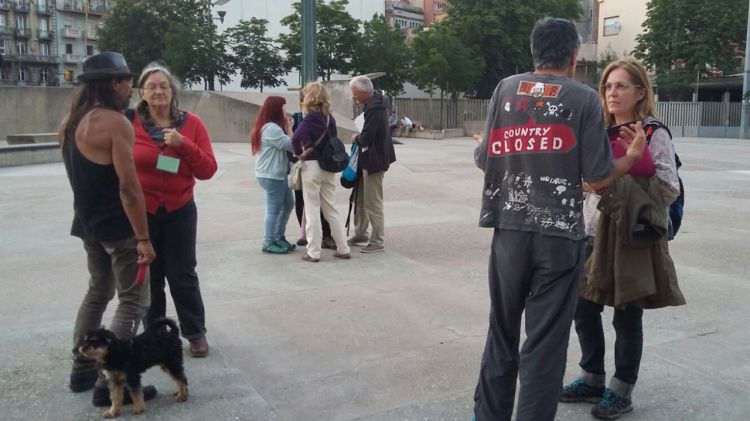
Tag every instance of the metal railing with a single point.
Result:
(453, 114)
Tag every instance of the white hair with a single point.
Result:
(362, 84)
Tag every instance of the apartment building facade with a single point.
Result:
(43, 42)
(27, 43)
(404, 14)
(78, 22)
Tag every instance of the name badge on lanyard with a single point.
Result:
(168, 164)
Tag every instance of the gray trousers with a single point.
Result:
(536, 273)
(113, 267)
(370, 208)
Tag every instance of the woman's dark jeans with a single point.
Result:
(173, 236)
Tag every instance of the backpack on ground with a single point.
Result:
(332, 156)
(677, 208)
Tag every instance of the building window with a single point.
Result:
(3, 48)
(68, 24)
(21, 48)
(20, 21)
(68, 48)
(44, 49)
(44, 75)
(3, 21)
(43, 25)
(21, 76)
(89, 50)
(3, 73)
(611, 26)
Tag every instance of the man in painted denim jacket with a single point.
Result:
(545, 137)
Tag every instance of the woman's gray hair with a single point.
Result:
(174, 84)
(362, 84)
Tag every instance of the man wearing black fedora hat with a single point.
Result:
(109, 210)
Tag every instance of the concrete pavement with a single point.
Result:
(388, 336)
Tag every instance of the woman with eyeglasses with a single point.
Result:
(172, 149)
(620, 273)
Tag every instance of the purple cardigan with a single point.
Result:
(308, 132)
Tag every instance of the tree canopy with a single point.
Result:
(255, 55)
(683, 39)
(382, 49)
(179, 32)
(500, 30)
(442, 61)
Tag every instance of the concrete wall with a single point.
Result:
(40, 110)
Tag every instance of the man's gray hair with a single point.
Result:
(553, 43)
(362, 84)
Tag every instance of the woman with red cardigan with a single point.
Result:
(172, 149)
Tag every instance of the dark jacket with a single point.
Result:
(376, 142)
(309, 131)
(630, 263)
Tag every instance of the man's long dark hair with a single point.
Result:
(97, 93)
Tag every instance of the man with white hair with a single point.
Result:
(376, 156)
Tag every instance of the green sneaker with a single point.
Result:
(286, 244)
(275, 248)
(612, 406)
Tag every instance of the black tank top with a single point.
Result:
(98, 211)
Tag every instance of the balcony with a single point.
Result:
(21, 7)
(4, 30)
(72, 58)
(71, 6)
(92, 35)
(4, 5)
(71, 33)
(22, 32)
(33, 58)
(43, 34)
(98, 9)
(44, 9)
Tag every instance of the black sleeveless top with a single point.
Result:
(98, 211)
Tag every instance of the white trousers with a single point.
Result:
(318, 189)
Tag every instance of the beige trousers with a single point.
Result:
(370, 208)
(318, 189)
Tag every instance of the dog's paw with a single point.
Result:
(111, 414)
(181, 395)
(140, 410)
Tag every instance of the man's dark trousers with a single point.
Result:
(537, 273)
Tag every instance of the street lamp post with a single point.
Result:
(745, 115)
(308, 42)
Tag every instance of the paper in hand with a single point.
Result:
(359, 122)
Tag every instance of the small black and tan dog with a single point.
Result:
(123, 361)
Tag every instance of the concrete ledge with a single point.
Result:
(39, 153)
(31, 138)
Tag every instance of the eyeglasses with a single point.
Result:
(151, 88)
(619, 86)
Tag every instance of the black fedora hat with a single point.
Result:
(104, 66)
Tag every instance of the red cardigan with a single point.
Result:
(196, 161)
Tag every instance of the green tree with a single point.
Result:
(500, 29)
(337, 38)
(179, 32)
(255, 55)
(684, 39)
(382, 49)
(442, 60)
(126, 27)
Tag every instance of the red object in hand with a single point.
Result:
(141, 276)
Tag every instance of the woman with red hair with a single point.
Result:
(270, 142)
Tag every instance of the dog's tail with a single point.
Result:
(166, 321)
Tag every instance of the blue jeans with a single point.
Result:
(279, 205)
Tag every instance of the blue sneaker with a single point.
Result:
(612, 406)
(286, 244)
